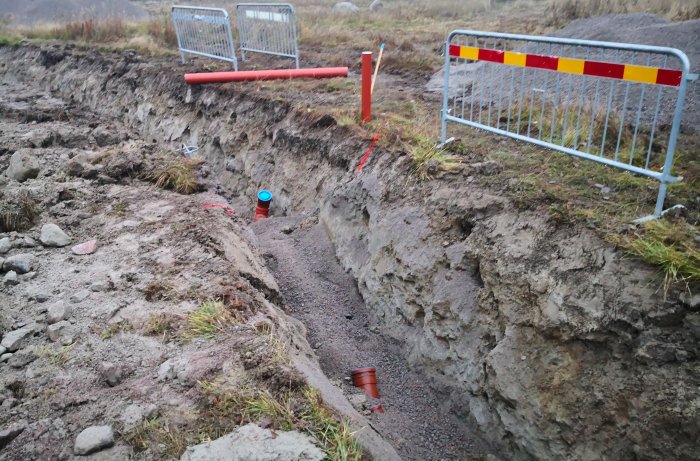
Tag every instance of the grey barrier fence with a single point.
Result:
(268, 28)
(204, 32)
(614, 103)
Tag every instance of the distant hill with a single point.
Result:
(44, 11)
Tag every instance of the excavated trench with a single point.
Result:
(475, 313)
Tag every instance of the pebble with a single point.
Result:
(85, 248)
(20, 263)
(80, 296)
(57, 312)
(53, 236)
(55, 331)
(28, 242)
(93, 439)
(5, 245)
(10, 279)
(111, 373)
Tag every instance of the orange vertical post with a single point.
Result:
(366, 86)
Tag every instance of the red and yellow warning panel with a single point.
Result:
(628, 72)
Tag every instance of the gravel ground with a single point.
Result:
(325, 298)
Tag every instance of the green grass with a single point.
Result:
(428, 159)
(210, 318)
(670, 246)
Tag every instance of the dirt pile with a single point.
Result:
(49, 11)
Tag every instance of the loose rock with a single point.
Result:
(57, 312)
(17, 339)
(22, 358)
(8, 434)
(85, 248)
(21, 263)
(10, 279)
(5, 245)
(252, 443)
(53, 236)
(93, 439)
(55, 331)
(23, 166)
(111, 373)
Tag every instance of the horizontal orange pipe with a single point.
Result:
(248, 75)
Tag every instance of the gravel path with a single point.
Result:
(321, 294)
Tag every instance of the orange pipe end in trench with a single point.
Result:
(251, 75)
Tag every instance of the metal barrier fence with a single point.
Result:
(613, 103)
(204, 32)
(268, 28)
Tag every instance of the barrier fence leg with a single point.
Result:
(366, 86)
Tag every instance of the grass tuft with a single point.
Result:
(114, 328)
(669, 245)
(58, 357)
(18, 214)
(210, 318)
(428, 159)
(180, 176)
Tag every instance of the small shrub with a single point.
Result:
(18, 214)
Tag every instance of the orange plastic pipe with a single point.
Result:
(366, 86)
(249, 75)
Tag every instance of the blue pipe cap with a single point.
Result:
(264, 195)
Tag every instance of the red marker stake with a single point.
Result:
(366, 86)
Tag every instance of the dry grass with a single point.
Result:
(678, 10)
(18, 213)
(210, 318)
(155, 36)
(115, 328)
(180, 176)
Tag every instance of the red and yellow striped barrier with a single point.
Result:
(628, 72)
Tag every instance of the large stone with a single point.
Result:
(57, 312)
(8, 434)
(53, 236)
(21, 263)
(23, 166)
(346, 7)
(22, 358)
(55, 331)
(252, 443)
(17, 339)
(5, 245)
(93, 439)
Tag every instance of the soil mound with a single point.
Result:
(43, 11)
